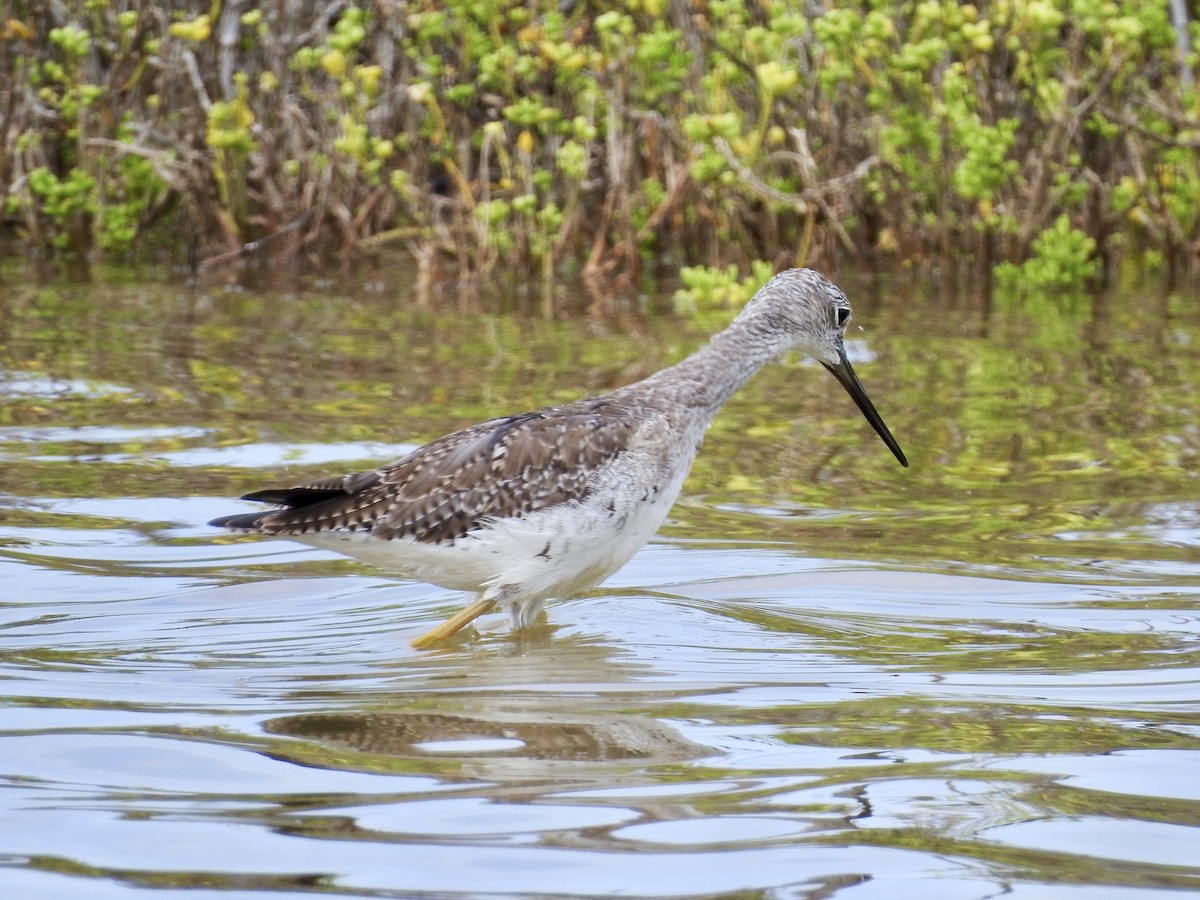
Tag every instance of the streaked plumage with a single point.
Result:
(548, 503)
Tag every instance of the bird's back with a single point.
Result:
(500, 469)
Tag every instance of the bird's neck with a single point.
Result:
(710, 376)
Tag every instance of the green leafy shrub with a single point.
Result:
(601, 140)
(1063, 259)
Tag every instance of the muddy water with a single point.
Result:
(828, 676)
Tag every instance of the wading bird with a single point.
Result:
(545, 504)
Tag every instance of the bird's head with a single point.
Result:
(806, 311)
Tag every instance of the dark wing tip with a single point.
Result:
(294, 497)
(286, 498)
(240, 522)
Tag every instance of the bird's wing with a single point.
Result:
(439, 492)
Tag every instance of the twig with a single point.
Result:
(193, 70)
(227, 35)
(308, 37)
(1179, 18)
(808, 194)
(165, 163)
(254, 246)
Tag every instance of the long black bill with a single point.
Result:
(845, 375)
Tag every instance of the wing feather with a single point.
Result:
(445, 489)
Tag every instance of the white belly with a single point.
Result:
(549, 553)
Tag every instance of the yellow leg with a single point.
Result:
(454, 624)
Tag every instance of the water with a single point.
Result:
(829, 676)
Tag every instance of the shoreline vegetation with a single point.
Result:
(1041, 143)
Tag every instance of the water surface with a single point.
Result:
(829, 676)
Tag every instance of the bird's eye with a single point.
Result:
(842, 314)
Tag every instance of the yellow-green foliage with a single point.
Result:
(555, 136)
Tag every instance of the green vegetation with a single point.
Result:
(1048, 138)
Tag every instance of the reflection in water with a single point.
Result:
(501, 733)
(977, 677)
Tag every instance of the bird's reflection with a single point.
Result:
(501, 702)
(507, 734)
